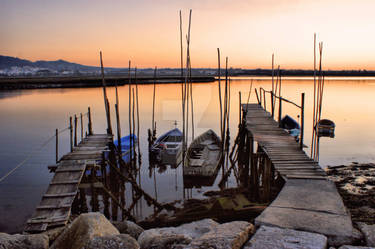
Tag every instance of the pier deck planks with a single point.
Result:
(308, 200)
(55, 207)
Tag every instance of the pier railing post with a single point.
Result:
(272, 106)
(280, 110)
(71, 133)
(57, 145)
(302, 118)
(256, 93)
(75, 130)
(89, 123)
(264, 98)
(261, 96)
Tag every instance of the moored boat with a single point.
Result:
(127, 146)
(203, 156)
(291, 126)
(325, 128)
(167, 149)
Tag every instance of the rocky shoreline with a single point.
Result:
(92, 230)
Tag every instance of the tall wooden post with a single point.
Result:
(71, 133)
(302, 119)
(75, 130)
(261, 96)
(106, 105)
(57, 145)
(89, 123)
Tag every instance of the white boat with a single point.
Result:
(167, 149)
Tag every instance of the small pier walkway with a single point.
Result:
(55, 206)
(308, 201)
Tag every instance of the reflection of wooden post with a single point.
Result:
(89, 123)
(71, 133)
(239, 107)
(266, 182)
(57, 145)
(75, 130)
(82, 198)
(280, 110)
(302, 118)
(81, 127)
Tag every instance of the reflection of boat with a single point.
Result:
(199, 181)
(325, 128)
(167, 149)
(127, 146)
(292, 126)
(203, 156)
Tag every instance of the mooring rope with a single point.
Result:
(31, 154)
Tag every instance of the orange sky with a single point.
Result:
(147, 32)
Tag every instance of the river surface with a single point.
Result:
(29, 119)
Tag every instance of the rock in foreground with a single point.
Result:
(18, 241)
(160, 238)
(83, 229)
(128, 227)
(273, 237)
(121, 241)
(368, 232)
(231, 235)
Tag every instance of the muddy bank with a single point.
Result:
(356, 185)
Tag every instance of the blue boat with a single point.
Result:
(290, 125)
(127, 146)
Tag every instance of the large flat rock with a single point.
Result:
(273, 237)
(313, 206)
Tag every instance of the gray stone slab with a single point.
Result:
(313, 206)
(316, 195)
(355, 247)
(273, 237)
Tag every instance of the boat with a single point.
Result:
(325, 128)
(291, 126)
(203, 156)
(167, 149)
(126, 146)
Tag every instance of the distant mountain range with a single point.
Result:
(14, 67)
(58, 65)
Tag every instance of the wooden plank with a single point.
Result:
(53, 206)
(59, 195)
(306, 177)
(64, 182)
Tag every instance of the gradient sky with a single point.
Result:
(147, 32)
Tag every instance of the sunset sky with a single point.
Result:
(147, 32)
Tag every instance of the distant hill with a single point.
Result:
(58, 65)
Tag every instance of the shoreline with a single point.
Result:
(90, 81)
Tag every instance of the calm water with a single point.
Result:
(29, 118)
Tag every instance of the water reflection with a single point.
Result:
(31, 117)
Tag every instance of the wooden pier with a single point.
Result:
(55, 206)
(308, 201)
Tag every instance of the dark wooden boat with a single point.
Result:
(325, 128)
(203, 155)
